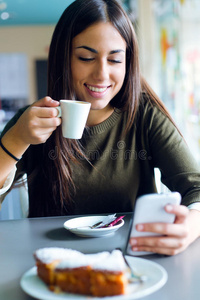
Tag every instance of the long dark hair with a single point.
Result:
(76, 18)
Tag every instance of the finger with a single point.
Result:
(44, 112)
(163, 251)
(40, 136)
(165, 245)
(179, 230)
(159, 242)
(46, 101)
(45, 123)
(43, 131)
(181, 212)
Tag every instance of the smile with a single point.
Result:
(95, 89)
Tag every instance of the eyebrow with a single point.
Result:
(95, 51)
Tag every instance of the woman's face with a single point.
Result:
(98, 64)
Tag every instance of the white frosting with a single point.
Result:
(100, 261)
(69, 258)
(48, 255)
(114, 261)
(81, 260)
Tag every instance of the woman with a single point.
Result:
(94, 57)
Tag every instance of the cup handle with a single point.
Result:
(59, 111)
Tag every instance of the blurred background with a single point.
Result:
(169, 39)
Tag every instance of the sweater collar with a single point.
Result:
(105, 125)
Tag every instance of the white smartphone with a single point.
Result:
(150, 209)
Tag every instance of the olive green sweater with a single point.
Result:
(121, 165)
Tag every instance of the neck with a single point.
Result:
(98, 116)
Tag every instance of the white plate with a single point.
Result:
(79, 226)
(157, 277)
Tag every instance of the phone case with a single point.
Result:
(150, 208)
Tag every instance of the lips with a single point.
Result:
(97, 89)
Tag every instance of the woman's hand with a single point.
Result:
(34, 126)
(38, 122)
(174, 237)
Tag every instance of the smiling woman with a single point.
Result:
(98, 69)
(94, 57)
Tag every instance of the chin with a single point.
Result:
(98, 106)
(95, 107)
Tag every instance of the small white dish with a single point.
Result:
(80, 226)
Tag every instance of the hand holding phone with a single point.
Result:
(150, 209)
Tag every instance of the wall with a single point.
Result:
(31, 40)
(34, 42)
(146, 37)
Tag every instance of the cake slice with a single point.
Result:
(46, 261)
(108, 276)
(101, 274)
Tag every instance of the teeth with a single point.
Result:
(98, 90)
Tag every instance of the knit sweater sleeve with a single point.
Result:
(170, 153)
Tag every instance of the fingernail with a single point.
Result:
(140, 227)
(133, 242)
(48, 98)
(135, 249)
(169, 207)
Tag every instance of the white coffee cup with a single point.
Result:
(74, 116)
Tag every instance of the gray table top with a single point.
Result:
(20, 238)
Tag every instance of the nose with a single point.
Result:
(101, 72)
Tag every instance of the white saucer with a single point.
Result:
(80, 226)
(156, 274)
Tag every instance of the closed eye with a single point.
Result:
(86, 59)
(115, 61)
